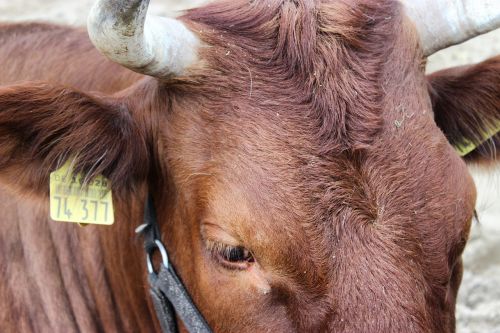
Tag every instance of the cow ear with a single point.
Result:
(42, 126)
(466, 105)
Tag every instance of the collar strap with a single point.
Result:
(467, 146)
(170, 297)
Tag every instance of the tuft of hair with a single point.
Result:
(319, 59)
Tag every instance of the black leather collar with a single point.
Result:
(170, 297)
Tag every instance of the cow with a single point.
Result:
(303, 167)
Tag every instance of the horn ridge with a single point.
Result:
(156, 46)
(443, 23)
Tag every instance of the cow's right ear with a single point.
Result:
(42, 126)
(466, 105)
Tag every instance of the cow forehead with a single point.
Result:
(303, 107)
(270, 170)
(285, 199)
(328, 64)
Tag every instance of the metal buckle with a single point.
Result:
(164, 257)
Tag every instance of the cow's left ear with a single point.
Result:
(466, 104)
(42, 126)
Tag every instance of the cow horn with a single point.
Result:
(442, 23)
(151, 45)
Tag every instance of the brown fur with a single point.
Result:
(306, 135)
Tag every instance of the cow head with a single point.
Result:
(301, 162)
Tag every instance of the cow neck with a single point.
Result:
(121, 268)
(170, 297)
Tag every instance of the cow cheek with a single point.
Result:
(235, 298)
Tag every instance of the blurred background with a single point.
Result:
(478, 309)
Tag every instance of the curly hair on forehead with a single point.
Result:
(325, 56)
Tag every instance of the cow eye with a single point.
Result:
(231, 257)
(236, 254)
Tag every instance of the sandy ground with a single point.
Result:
(478, 310)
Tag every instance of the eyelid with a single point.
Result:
(212, 232)
(220, 244)
(216, 247)
(219, 248)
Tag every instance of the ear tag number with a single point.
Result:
(71, 201)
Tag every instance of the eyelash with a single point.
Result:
(228, 256)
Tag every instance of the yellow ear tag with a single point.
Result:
(70, 201)
(468, 146)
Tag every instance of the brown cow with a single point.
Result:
(296, 152)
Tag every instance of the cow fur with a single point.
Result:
(307, 130)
